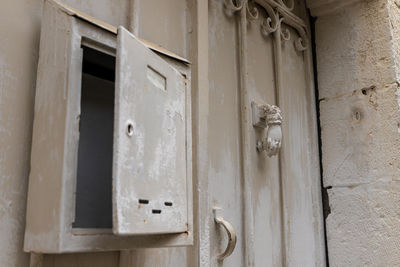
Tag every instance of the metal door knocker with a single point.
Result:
(270, 117)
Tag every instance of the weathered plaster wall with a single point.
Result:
(357, 49)
(19, 42)
(115, 12)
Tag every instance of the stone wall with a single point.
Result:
(358, 56)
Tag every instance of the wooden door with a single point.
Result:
(263, 54)
(239, 55)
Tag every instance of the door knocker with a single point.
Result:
(270, 117)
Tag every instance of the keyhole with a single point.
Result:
(129, 129)
(357, 115)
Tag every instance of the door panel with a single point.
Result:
(285, 204)
(224, 172)
(264, 177)
(303, 223)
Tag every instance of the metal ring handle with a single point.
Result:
(229, 230)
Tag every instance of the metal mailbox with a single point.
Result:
(111, 148)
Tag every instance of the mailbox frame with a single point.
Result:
(52, 181)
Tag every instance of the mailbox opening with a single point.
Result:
(93, 200)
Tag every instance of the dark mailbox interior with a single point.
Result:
(93, 208)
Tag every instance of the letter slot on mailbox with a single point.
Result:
(111, 149)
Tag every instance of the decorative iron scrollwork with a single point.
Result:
(233, 5)
(252, 11)
(283, 4)
(237, 5)
(278, 12)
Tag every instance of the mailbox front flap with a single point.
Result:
(149, 163)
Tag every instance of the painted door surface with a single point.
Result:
(239, 53)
